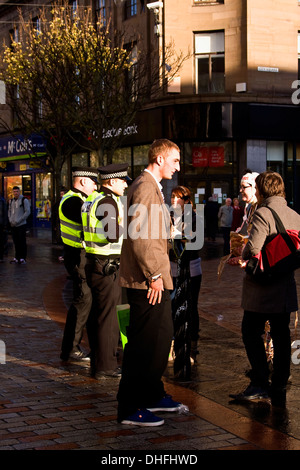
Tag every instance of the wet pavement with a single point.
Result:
(49, 405)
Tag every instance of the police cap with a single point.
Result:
(86, 172)
(115, 170)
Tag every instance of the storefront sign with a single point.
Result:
(208, 156)
(200, 156)
(14, 147)
(216, 156)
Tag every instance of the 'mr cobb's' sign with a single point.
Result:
(19, 145)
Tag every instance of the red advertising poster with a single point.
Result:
(208, 156)
(216, 156)
(200, 156)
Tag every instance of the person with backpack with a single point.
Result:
(3, 226)
(18, 213)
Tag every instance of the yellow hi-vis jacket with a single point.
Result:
(71, 232)
(95, 241)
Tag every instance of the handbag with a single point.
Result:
(279, 256)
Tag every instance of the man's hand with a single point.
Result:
(155, 290)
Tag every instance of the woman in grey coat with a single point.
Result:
(271, 302)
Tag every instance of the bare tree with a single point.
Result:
(72, 83)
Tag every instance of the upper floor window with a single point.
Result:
(73, 7)
(210, 62)
(36, 23)
(14, 34)
(101, 11)
(130, 8)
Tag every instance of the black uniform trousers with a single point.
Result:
(103, 327)
(19, 238)
(78, 313)
(146, 354)
(253, 326)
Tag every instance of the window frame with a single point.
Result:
(130, 8)
(100, 9)
(211, 53)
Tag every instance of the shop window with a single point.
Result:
(9, 183)
(275, 156)
(43, 196)
(210, 62)
(208, 158)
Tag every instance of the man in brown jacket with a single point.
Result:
(145, 272)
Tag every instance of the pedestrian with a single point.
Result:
(84, 183)
(188, 276)
(3, 227)
(248, 195)
(273, 301)
(211, 210)
(18, 213)
(146, 274)
(237, 214)
(102, 217)
(225, 217)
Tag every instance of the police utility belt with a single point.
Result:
(109, 265)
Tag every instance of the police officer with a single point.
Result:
(102, 224)
(84, 183)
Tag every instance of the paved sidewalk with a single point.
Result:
(48, 405)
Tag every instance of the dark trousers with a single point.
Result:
(146, 354)
(2, 241)
(253, 327)
(195, 290)
(103, 327)
(80, 308)
(19, 239)
(226, 238)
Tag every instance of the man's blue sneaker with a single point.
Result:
(165, 404)
(143, 417)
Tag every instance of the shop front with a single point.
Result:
(30, 172)
(208, 157)
(218, 142)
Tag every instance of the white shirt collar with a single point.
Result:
(158, 183)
